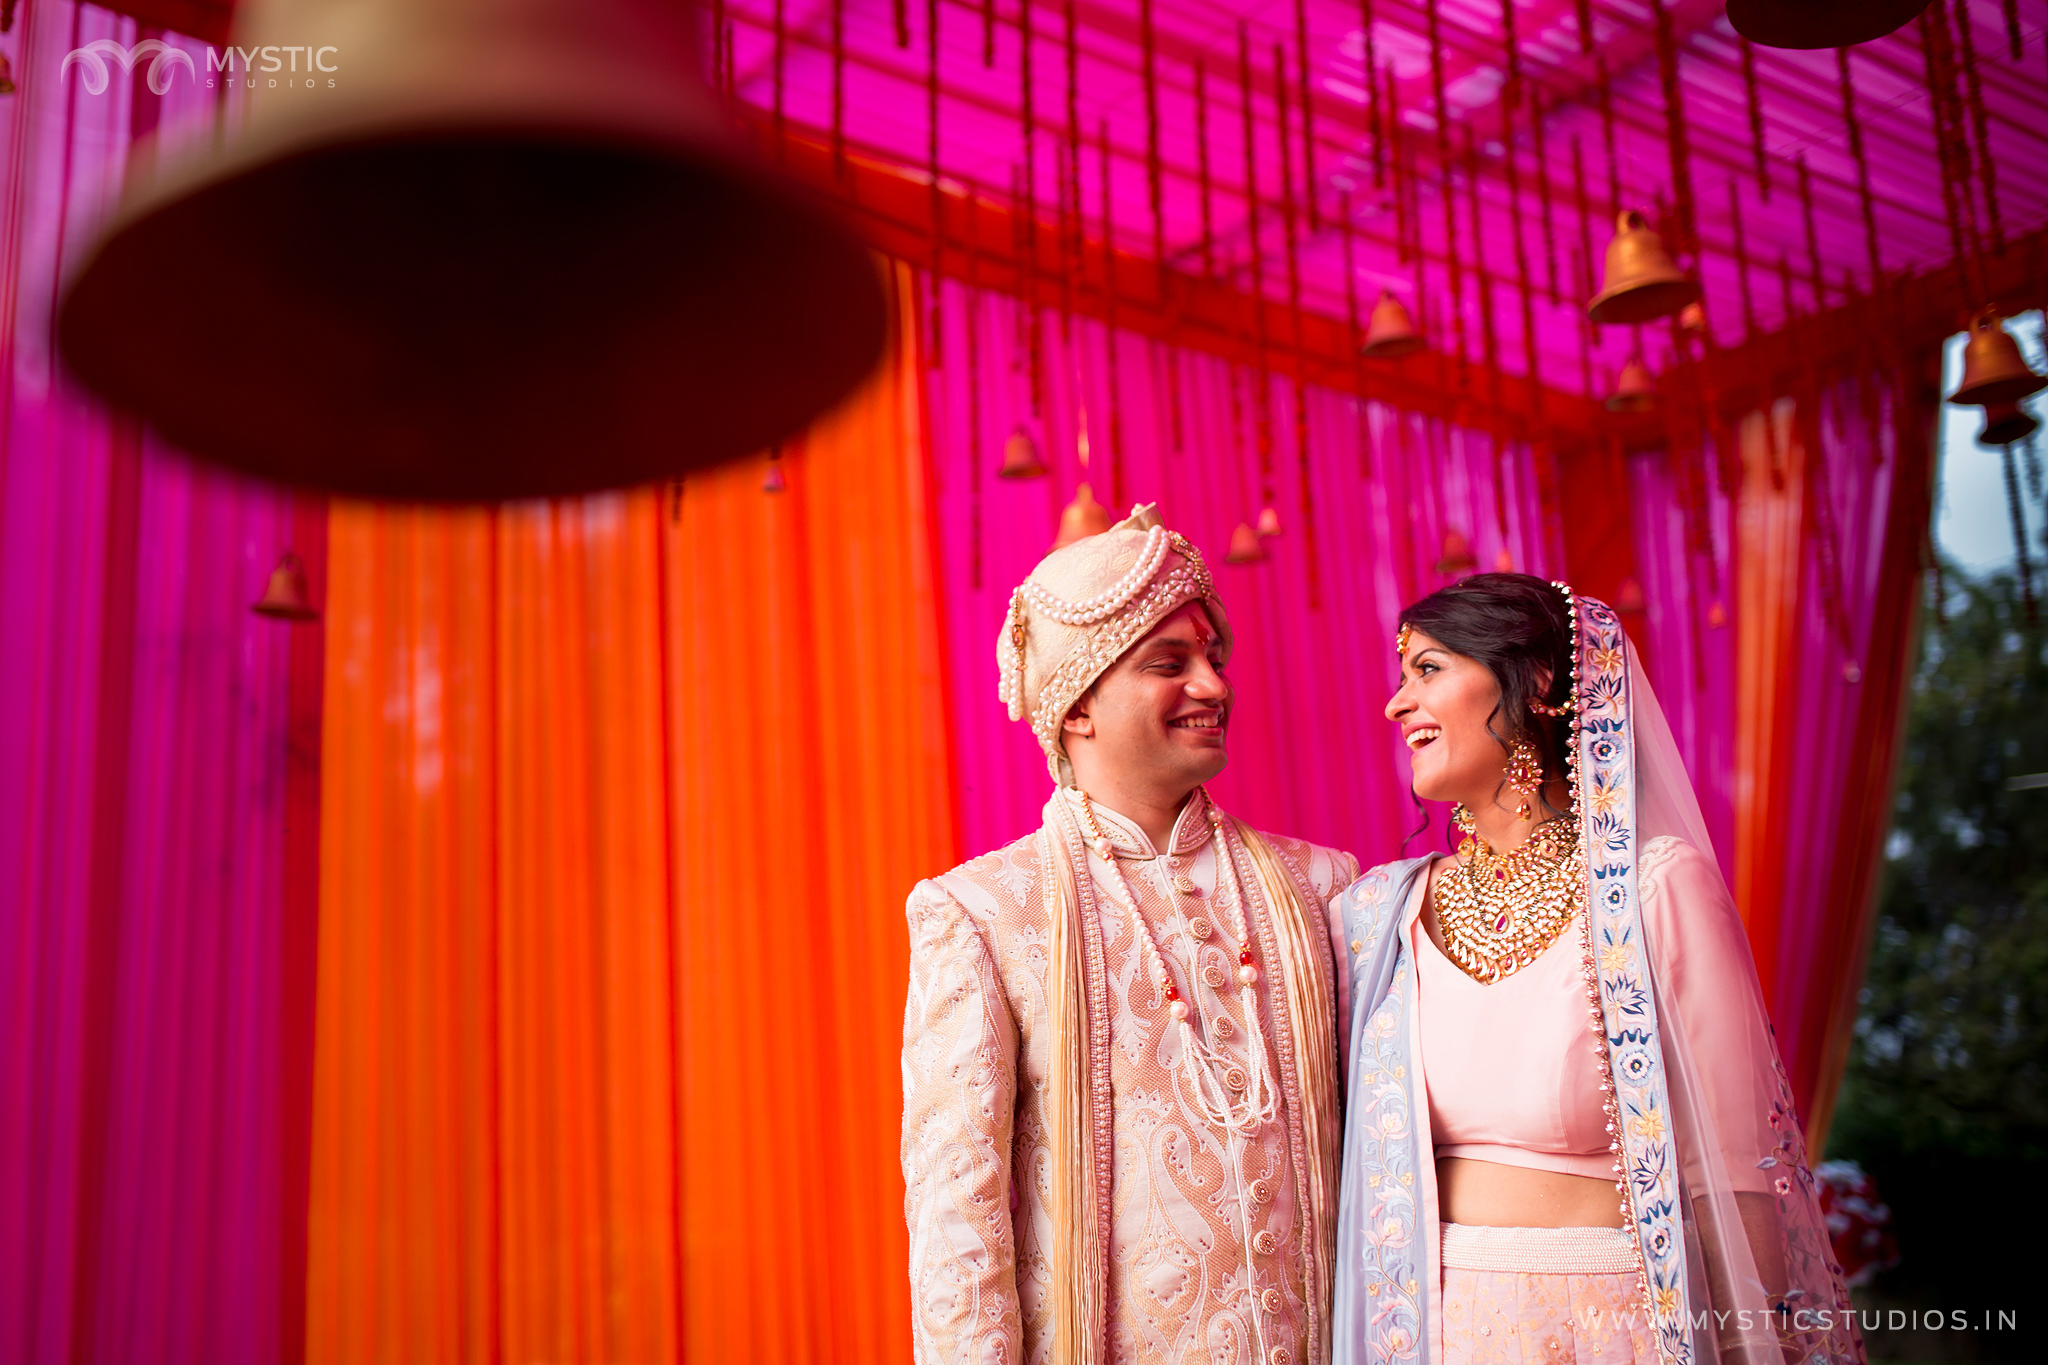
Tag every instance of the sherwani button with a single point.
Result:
(1234, 1078)
(1272, 1301)
(1265, 1242)
(1213, 974)
(1261, 1191)
(1200, 928)
(1281, 1355)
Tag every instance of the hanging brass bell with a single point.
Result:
(1083, 517)
(1810, 24)
(7, 86)
(285, 597)
(1457, 557)
(485, 249)
(1020, 457)
(1994, 371)
(1641, 281)
(1391, 334)
(1692, 319)
(2005, 423)
(1634, 389)
(1269, 521)
(1244, 546)
(1503, 562)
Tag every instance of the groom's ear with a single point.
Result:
(1078, 721)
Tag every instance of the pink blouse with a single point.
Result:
(1510, 1068)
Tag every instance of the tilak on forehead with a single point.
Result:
(1083, 607)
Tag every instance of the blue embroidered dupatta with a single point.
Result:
(1735, 1263)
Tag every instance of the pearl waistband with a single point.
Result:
(1539, 1251)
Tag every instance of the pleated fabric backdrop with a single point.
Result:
(624, 794)
(511, 968)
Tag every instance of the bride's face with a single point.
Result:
(1442, 709)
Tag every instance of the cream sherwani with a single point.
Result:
(1206, 1255)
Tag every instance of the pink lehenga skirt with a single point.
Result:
(1520, 1296)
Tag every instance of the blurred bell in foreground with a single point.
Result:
(1391, 334)
(1084, 516)
(1820, 23)
(1269, 520)
(1994, 371)
(773, 481)
(1458, 557)
(1641, 281)
(1020, 457)
(1634, 389)
(487, 249)
(2005, 423)
(285, 597)
(1244, 546)
(1629, 596)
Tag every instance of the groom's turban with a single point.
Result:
(1083, 606)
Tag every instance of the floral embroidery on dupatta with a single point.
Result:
(1383, 1262)
(1627, 1006)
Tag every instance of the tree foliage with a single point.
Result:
(1944, 1101)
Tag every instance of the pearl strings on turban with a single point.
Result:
(1083, 606)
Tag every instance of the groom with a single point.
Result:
(1119, 1058)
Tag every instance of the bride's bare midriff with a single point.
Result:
(1489, 1194)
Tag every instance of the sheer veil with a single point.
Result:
(1737, 1262)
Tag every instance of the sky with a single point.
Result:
(1972, 523)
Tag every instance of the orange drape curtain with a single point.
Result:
(620, 802)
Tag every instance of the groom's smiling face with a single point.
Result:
(1444, 708)
(1161, 713)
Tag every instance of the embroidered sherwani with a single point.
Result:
(1206, 1256)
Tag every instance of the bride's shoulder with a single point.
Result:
(1376, 897)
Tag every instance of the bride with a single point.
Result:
(1569, 1135)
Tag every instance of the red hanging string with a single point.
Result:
(1073, 35)
(1511, 59)
(1202, 170)
(1584, 10)
(988, 33)
(974, 386)
(1753, 95)
(1374, 124)
(1585, 327)
(1291, 223)
(938, 195)
(1586, 285)
(1951, 144)
(1357, 336)
(1489, 339)
(902, 23)
(1443, 154)
(1820, 301)
(1308, 117)
(2012, 31)
(839, 90)
(1532, 356)
(1263, 397)
(1741, 262)
(1604, 90)
(1980, 124)
(1109, 286)
(1675, 131)
(1404, 223)
(1545, 201)
(1862, 160)
(1154, 174)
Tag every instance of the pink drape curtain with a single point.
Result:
(1312, 753)
(1777, 656)
(149, 968)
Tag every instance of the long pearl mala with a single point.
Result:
(1207, 1070)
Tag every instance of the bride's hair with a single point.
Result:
(1519, 627)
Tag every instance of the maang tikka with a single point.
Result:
(1525, 774)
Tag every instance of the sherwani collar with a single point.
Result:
(1191, 828)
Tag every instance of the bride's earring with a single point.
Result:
(1465, 824)
(1525, 774)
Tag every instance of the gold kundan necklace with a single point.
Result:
(1497, 912)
